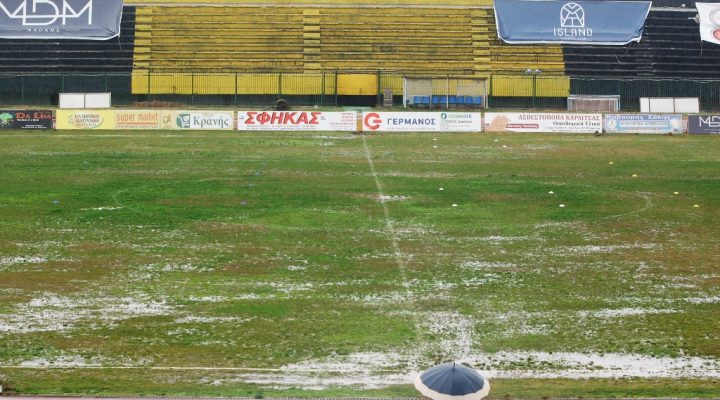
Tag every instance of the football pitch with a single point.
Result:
(266, 264)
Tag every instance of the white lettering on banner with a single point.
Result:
(711, 121)
(573, 32)
(643, 123)
(47, 12)
(572, 22)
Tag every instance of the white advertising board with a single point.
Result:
(448, 121)
(84, 100)
(689, 105)
(662, 105)
(71, 100)
(543, 122)
(97, 100)
(197, 120)
(296, 121)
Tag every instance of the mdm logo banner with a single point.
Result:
(704, 124)
(60, 19)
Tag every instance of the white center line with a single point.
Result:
(399, 257)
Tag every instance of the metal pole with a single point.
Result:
(280, 86)
(490, 93)
(700, 87)
(405, 99)
(236, 88)
(533, 90)
(379, 99)
(336, 88)
(192, 88)
(322, 91)
(148, 91)
(447, 92)
(22, 88)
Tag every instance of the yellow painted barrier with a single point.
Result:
(522, 86)
(230, 84)
(357, 84)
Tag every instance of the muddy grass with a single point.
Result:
(273, 264)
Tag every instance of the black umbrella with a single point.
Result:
(452, 381)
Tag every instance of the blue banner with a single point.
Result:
(643, 123)
(60, 19)
(571, 22)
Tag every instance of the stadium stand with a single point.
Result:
(415, 40)
(219, 39)
(200, 47)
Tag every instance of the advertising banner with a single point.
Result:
(60, 19)
(543, 122)
(134, 119)
(197, 120)
(297, 121)
(571, 22)
(704, 124)
(709, 14)
(422, 122)
(643, 123)
(26, 119)
(85, 119)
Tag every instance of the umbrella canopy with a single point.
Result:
(452, 382)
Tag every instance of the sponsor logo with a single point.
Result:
(412, 121)
(283, 118)
(572, 22)
(6, 119)
(712, 121)
(85, 120)
(38, 13)
(572, 15)
(201, 121)
(35, 116)
(704, 124)
(183, 121)
(373, 121)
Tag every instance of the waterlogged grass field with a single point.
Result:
(231, 264)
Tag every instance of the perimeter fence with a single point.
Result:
(336, 88)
